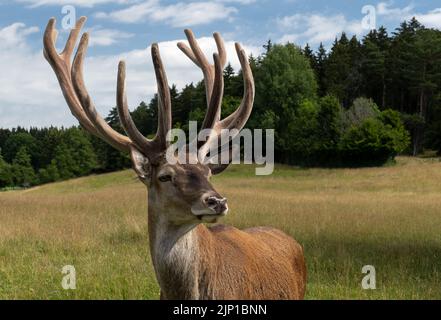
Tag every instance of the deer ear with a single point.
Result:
(141, 164)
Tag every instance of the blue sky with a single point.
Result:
(124, 29)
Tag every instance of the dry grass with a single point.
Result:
(388, 217)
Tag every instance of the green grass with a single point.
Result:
(345, 218)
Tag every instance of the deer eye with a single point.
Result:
(165, 178)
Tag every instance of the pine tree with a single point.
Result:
(229, 76)
(374, 54)
(354, 80)
(322, 58)
(342, 70)
(268, 46)
(185, 104)
(423, 72)
(113, 120)
(229, 72)
(144, 119)
(308, 53)
(403, 41)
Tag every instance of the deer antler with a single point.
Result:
(213, 77)
(71, 80)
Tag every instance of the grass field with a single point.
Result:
(346, 218)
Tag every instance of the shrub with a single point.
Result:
(360, 110)
(323, 134)
(375, 141)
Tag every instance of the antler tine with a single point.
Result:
(61, 66)
(197, 56)
(184, 48)
(164, 107)
(49, 40)
(72, 40)
(238, 118)
(220, 48)
(213, 113)
(123, 111)
(106, 132)
(212, 116)
(196, 49)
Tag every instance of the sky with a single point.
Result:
(125, 29)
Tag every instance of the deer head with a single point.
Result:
(182, 191)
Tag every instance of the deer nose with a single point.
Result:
(219, 205)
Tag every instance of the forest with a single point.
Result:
(360, 103)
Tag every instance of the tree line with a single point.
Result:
(359, 104)
(400, 71)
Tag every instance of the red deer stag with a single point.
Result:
(191, 261)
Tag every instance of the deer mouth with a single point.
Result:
(209, 215)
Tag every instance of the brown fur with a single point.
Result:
(258, 263)
(253, 264)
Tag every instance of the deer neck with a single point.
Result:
(175, 254)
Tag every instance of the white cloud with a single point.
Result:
(92, 3)
(25, 87)
(80, 3)
(432, 19)
(30, 94)
(106, 37)
(177, 15)
(131, 14)
(316, 28)
(15, 34)
(384, 9)
(243, 2)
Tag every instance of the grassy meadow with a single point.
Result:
(387, 217)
